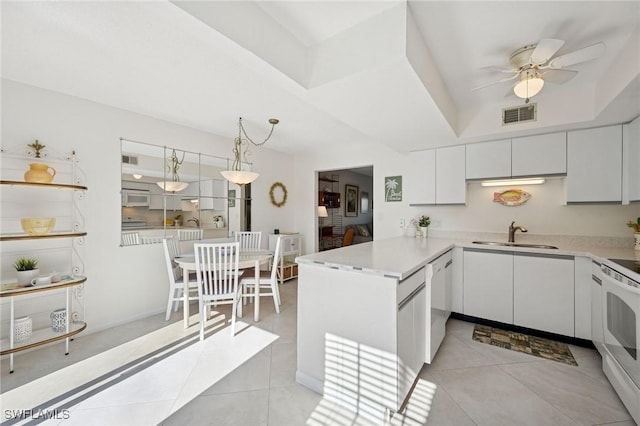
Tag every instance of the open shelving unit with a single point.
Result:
(59, 250)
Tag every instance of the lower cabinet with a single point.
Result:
(543, 294)
(532, 290)
(488, 285)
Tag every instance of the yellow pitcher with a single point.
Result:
(39, 173)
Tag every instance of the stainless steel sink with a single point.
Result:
(497, 243)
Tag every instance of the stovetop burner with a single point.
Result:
(633, 265)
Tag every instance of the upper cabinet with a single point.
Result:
(420, 177)
(451, 187)
(488, 160)
(631, 165)
(212, 195)
(436, 176)
(540, 155)
(594, 164)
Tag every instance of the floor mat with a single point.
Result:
(519, 342)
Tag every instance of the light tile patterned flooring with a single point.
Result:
(469, 383)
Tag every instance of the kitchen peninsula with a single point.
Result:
(370, 315)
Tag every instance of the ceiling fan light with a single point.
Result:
(528, 87)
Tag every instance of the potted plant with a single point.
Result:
(636, 232)
(423, 223)
(27, 269)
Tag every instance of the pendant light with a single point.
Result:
(174, 185)
(236, 174)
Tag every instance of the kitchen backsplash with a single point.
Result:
(156, 217)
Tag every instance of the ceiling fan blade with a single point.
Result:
(495, 82)
(581, 55)
(498, 69)
(545, 49)
(558, 76)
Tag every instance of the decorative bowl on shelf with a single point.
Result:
(37, 225)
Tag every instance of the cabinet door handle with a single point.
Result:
(448, 263)
(597, 280)
(411, 295)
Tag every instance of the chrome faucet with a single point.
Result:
(512, 231)
(195, 220)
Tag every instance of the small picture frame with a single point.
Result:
(351, 204)
(232, 198)
(393, 188)
(364, 202)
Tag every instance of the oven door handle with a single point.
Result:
(622, 286)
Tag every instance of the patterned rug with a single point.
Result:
(519, 342)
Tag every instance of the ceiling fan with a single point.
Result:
(534, 64)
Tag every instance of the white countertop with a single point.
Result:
(399, 257)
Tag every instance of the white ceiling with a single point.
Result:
(332, 72)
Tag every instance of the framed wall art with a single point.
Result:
(351, 206)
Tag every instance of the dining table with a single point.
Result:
(246, 259)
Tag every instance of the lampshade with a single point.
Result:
(173, 186)
(239, 177)
(528, 87)
(322, 211)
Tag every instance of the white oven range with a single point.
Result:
(621, 330)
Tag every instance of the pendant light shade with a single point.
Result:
(173, 185)
(530, 85)
(239, 177)
(236, 174)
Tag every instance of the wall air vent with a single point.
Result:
(129, 159)
(521, 114)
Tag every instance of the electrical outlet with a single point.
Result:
(402, 222)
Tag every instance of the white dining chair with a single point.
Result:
(176, 283)
(190, 234)
(267, 280)
(130, 238)
(217, 277)
(151, 239)
(249, 240)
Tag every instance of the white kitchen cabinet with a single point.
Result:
(582, 304)
(631, 164)
(539, 155)
(543, 292)
(488, 285)
(420, 177)
(488, 160)
(451, 186)
(594, 165)
(212, 195)
(457, 280)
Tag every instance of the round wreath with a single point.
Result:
(284, 194)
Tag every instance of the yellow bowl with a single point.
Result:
(38, 225)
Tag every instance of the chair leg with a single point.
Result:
(234, 307)
(276, 296)
(169, 302)
(178, 295)
(202, 319)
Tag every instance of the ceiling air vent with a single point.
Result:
(519, 114)
(130, 159)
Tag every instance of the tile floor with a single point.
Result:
(469, 383)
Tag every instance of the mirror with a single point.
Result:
(166, 189)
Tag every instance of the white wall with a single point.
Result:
(124, 282)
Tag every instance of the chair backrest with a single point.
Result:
(249, 240)
(276, 259)
(217, 268)
(171, 250)
(151, 239)
(190, 234)
(130, 238)
(347, 239)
